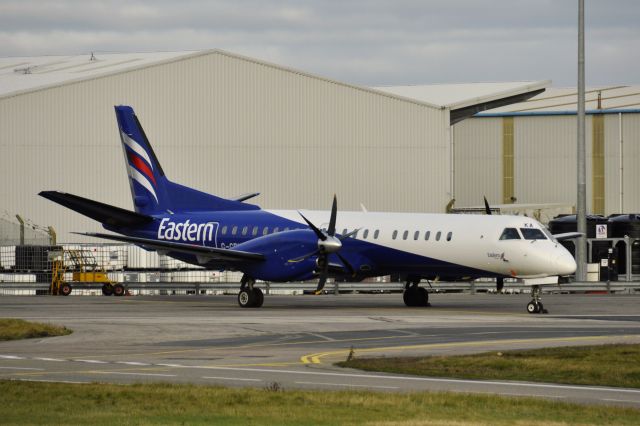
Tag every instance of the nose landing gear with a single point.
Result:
(535, 306)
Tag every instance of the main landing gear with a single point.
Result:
(249, 296)
(535, 306)
(414, 295)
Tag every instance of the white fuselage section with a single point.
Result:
(472, 241)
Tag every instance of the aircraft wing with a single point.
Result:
(206, 253)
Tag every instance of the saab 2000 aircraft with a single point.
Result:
(280, 246)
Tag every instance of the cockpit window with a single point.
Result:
(510, 234)
(532, 234)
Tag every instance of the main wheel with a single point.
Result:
(118, 290)
(107, 289)
(65, 289)
(533, 307)
(259, 297)
(246, 298)
(408, 297)
(422, 296)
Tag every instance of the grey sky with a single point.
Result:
(362, 42)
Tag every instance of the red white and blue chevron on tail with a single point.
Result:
(152, 192)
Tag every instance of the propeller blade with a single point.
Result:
(334, 213)
(321, 282)
(352, 271)
(318, 232)
(487, 209)
(305, 257)
(350, 234)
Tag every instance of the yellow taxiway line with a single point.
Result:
(316, 358)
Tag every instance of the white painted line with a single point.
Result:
(132, 363)
(22, 368)
(420, 379)
(231, 378)
(170, 365)
(619, 400)
(50, 359)
(11, 357)
(91, 361)
(348, 385)
(136, 374)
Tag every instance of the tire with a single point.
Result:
(422, 296)
(408, 297)
(107, 289)
(118, 290)
(259, 297)
(532, 307)
(65, 290)
(246, 298)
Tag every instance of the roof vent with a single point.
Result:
(25, 70)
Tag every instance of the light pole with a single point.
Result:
(581, 207)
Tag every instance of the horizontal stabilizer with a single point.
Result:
(202, 252)
(103, 213)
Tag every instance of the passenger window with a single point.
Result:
(427, 235)
(449, 235)
(405, 234)
(416, 235)
(365, 234)
(254, 232)
(265, 231)
(355, 235)
(286, 228)
(510, 234)
(234, 230)
(224, 230)
(532, 234)
(344, 231)
(438, 235)
(276, 229)
(245, 230)
(375, 234)
(395, 234)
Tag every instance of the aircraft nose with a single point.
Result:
(565, 264)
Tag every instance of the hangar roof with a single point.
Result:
(467, 99)
(22, 74)
(564, 100)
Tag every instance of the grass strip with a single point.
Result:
(604, 365)
(147, 404)
(15, 329)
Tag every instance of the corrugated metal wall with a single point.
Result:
(225, 125)
(478, 161)
(545, 160)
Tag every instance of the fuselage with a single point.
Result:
(418, 245)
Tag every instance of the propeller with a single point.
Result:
(328, 243)
(487, 209)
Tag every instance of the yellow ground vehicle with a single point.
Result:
(84, 269)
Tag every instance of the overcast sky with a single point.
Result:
(361, 42)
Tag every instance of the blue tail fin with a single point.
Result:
(152, 192)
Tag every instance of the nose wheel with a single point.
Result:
(535, 306)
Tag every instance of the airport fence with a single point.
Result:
(28, 269)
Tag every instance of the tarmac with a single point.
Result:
(295, 340)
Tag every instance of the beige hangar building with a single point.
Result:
(228, 125)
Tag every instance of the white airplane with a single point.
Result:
(278, 245)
